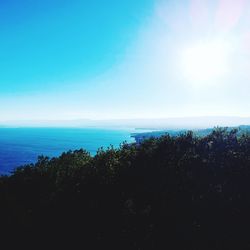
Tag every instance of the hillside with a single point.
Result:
(172, 192)
(139, 137)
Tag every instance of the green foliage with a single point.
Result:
(172, 192)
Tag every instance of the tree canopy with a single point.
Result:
(172, 192)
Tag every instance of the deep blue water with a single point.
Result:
(20, 146)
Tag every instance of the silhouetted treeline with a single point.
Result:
(183, 192)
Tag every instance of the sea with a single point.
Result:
(21, 146)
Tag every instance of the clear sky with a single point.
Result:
(124, 59)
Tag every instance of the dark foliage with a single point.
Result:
(182, 192)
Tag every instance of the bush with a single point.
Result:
(182, 192)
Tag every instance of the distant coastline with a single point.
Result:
(139, 137)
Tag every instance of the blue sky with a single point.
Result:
(52, 41)
(99, 59)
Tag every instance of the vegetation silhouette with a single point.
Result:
(172, 192)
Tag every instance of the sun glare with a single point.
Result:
(205, 62)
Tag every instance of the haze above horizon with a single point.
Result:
(148, 124)
(144, 59)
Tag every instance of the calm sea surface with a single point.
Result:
(19, 146)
